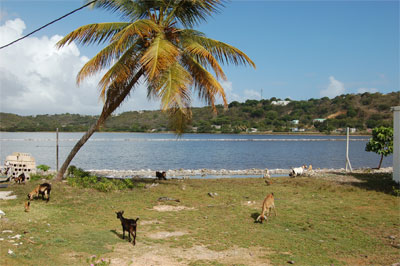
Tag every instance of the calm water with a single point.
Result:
(125, 151)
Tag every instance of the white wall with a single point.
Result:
(396, 144)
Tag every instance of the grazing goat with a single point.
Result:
(20, 179)
(268, 204)
(297, 171)
(42, 189)
(128, 225)
(267, 177)
(161, 175)
(27, 204)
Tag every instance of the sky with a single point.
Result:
(302, 50)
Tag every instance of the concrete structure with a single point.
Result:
(295, 122)
(396, 143)
(19, 163)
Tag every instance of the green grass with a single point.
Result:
(319, 222)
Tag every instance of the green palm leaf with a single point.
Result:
(93, 33)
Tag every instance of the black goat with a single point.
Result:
(161, 175)
(128, 225)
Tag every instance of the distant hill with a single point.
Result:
(359, 111)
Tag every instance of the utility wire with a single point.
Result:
(60, 18)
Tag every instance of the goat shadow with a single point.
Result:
(116, 233)
(255, 215)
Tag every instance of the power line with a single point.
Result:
(60, 18)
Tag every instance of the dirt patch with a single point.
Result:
(169, 208)
(6, 195)
(158, 254)
(162, 235)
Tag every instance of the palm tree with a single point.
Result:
(159, 47)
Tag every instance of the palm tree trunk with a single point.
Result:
(77, 147)
(113, 100)
(380, 162)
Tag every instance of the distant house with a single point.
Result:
(216, 126)
(295, 129)
(282, 103)
(352, 130)
(295, 122)
(320, 120)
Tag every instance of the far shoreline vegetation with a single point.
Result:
(360, 112)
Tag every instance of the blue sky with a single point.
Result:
(302, 50)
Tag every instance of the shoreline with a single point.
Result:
(223, 173)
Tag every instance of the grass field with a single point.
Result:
(319, 222)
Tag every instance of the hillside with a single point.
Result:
(359, 111)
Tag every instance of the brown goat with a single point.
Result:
(20, 179)
(27, 205)
(268, 204)
(42, 189)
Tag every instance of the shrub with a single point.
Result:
(34, 177)
(82, 179)
(43, 167)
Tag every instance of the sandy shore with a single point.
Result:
(183, 173)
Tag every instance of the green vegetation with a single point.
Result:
(43, 167)
(360, 111)
(381, 142)
(319, 222)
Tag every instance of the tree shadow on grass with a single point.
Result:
(380, 182)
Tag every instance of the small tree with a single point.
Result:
(381, 142)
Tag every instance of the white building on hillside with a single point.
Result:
(282, 103)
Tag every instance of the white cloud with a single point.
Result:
(38, 78)
(370, 90)
(334, 88)
(252, 94)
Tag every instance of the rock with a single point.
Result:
(10, 252)
(290, 262)
(2, 213)
(392, 237)
(212, 194)
(16, 236)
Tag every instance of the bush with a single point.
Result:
(43, 167)
(34, 177)
(83, 179)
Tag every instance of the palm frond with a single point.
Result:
(173, 87)
(131, 9)
(126, 65)
(142, 28)
(93, 33)
(225, 53)
(204, 57)
(204, 82)
(159, 56)
(190, 13)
